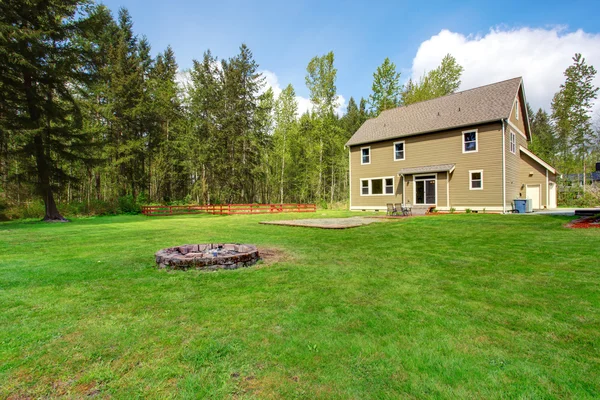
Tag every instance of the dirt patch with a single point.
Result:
(585, 223)
(272, 255)
(325, 223)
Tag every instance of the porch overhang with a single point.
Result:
(427, 169)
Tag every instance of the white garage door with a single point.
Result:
(533, 193)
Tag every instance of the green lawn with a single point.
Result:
(467, 306)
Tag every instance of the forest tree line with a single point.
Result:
(88, 115)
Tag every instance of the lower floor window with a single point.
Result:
(476, 179)
(376, 186)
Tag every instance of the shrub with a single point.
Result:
(452, 210)
(468, 211)
(128, 205)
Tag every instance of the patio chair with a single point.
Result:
(406, 210)
(391, 210)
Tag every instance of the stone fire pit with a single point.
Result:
(209, 257)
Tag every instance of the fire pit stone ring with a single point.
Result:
(209, 257)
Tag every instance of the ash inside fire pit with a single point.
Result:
(209, 257)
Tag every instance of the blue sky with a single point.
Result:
(284, 36)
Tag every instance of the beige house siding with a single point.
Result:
(532, 173)
(520, 122)
(513, 165)
(432, 149)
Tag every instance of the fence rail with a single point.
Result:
(227, 209)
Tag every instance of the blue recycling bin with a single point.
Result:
(521, 205)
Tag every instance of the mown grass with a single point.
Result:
(453, 306)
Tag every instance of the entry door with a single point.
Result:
(533, 193)
(552, 195)
(425, 187)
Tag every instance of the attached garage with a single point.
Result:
(538, 180)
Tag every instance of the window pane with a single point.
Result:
(476, 184)
(399, 151)
(364, 187)
(389, 186)
(420, 192)
(470, 146)
(470, 136)
(365, 156)
(377, 186)
(476, 176)
(430, 195)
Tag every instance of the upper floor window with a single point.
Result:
(476, 180)
(517, 109)
(365, 154)
(513, 142)
(398, 151)
(470, 141)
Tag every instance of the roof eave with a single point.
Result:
(348, 144)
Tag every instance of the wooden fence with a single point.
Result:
(227, 209)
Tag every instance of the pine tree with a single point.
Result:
(543, 140)
(386, 89)
(241, 85)
(571, 111)
(207, 150)
(43, 61)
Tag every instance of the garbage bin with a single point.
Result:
(521, 205)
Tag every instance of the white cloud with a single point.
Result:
(540, 56)
(304, 104)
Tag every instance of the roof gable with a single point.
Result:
(474, 106)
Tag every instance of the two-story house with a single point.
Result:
(464, 150)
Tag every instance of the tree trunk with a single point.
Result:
(43, 186)
(282, 169)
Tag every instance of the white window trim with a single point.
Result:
(403, 150)
(512, 140)
(383, 178)
(476, 141)
(471, 172)
(361, 155)
(415, 178)
(517, 109)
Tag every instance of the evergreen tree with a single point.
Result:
(241, 86)
(207, 146)
(571, 112)
(352, 120)
(386, 89)
(543, 140)
(164, 140)
(42, 62)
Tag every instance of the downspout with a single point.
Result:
(402, 186)
(349, 179)
(503, 166)
(547, 194)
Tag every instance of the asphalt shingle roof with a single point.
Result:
(474, 106)
(426, 169)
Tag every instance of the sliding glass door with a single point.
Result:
(425, 188)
